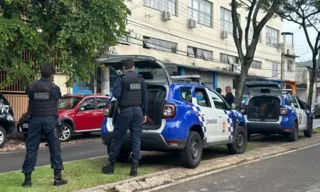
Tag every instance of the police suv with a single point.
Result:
(269, 110)
(183, 115)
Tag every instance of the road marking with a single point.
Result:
(224, 169)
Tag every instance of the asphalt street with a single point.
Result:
(294, 172)
(94, 148)
(89, 149)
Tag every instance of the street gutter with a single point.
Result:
(173, 176)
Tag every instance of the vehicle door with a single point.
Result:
(221, 110)
(302, 114)
(203, 105)
(85, 115)
(101, 102)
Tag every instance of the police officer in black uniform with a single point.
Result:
(43, 111)
(131, 93)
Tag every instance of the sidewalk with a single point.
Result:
(147, 182)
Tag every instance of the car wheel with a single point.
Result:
(3, 136)
(191, 155)
(240, 141)
(66, 132)
(309, 131)
(86, 133)
(293, 136)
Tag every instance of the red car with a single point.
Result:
(78, 114)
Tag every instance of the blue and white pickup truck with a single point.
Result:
(183, 115)
(270, 111)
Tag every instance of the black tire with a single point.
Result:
(3, 136)
(123, 154)
(309, 131)
(191, 155)
(248, 137)
(240, 142)
(66, 132)
(86, 133)
(293, 136)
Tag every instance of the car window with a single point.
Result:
(185, 94)
(219, 103)
(295, 102)
(87, 104)
(3, 100)
(68, 102)
(202, 98)
(101, 102)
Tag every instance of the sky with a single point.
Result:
(302, 48)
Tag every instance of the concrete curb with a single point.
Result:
(173, 175)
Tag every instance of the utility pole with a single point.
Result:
(316, 75)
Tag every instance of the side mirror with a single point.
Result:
(233, 106)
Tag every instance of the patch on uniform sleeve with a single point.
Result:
(41, 96)
(135, 86)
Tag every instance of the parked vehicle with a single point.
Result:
(6, 120)
(184, 115)
(78, 114)
(269, 111)
(316, 110)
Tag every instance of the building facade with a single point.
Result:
(198, 34)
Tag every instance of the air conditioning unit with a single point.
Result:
(224, 34)
(192, 23)
(166, 16)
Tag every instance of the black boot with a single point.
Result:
(108, 169)
(58, 178)
(27, 180)
(134, 169)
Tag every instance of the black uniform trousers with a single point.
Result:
(39, 126)
(129, 118)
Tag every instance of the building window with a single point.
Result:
(275, 70)
(226, 20)
(200, 53)
(201, 11)
(256, 65)
(251, 31)
(272, 37)
(224, 58)
(162, 5)
(290, 66)
(125, 39)
(158, 44)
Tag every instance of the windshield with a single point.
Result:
(69, 102)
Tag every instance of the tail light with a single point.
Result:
(243, 110)
(169, 110)
(283, 111)
(106, 110)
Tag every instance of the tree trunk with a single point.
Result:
(312, 79)
(241, 82)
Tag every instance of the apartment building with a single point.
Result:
(195, 37)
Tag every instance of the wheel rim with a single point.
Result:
(1, 137)
(239, 140)
(194, 148)
(65, 133)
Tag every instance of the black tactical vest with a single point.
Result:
(131, 91)
(43, 99)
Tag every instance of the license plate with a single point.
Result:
(25, 126)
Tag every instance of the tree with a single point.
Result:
(253, 8)
(70, 33)
(306, 14)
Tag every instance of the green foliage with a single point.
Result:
(67, 33)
